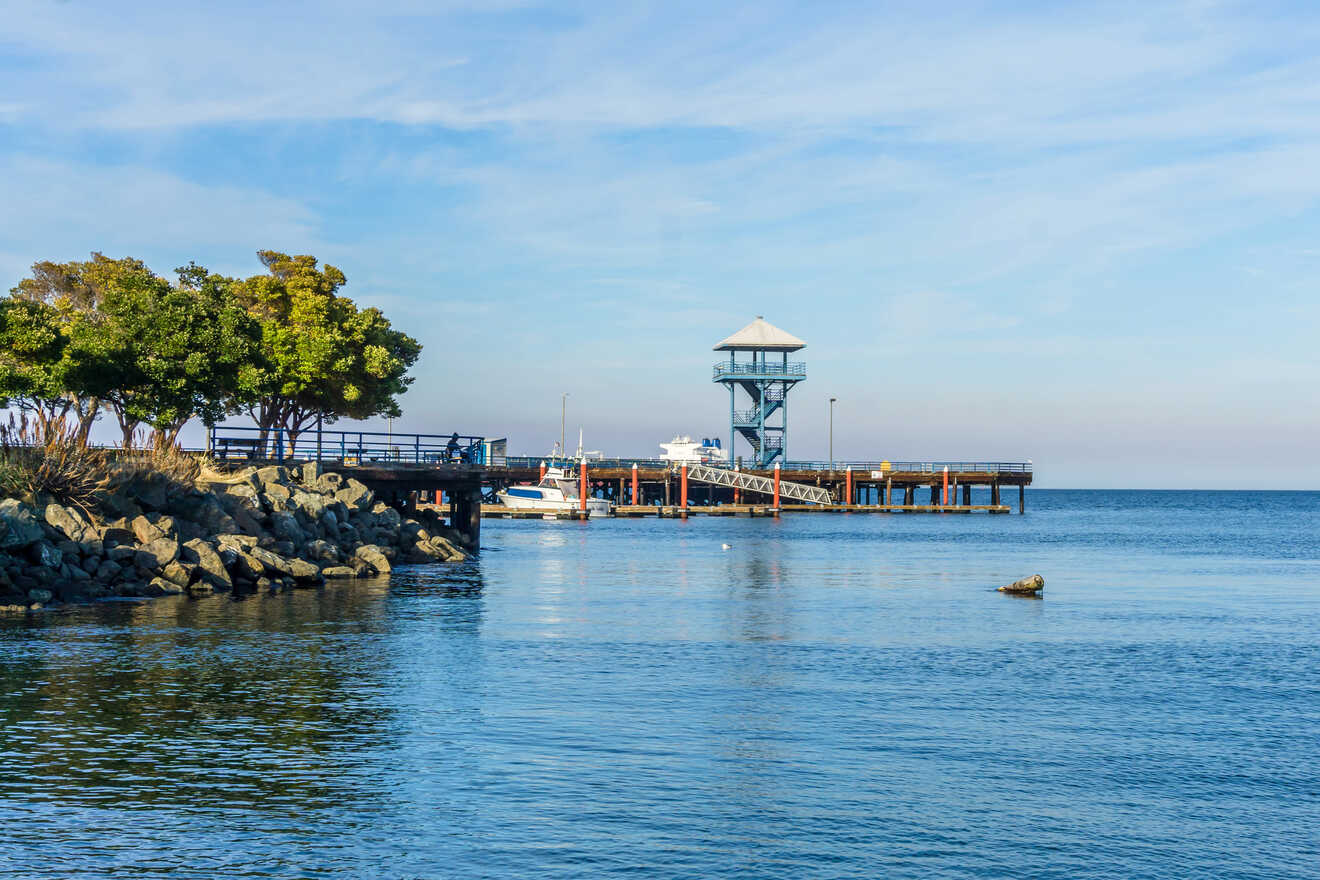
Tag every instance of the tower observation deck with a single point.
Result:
(758, 364)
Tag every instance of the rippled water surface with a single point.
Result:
(834, 696)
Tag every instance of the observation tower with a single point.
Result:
(765, 375)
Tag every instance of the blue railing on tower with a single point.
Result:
(758, 368)
(353, 447)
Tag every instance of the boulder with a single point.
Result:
(237, 540)
(1033, 584)
(149, 490)
(124, 554)
(162, 587)
(310, 472)
(203, 509)
(276, 474)
(355, 495)
(208, 565)
(276, 496)
(40, 596)
(146, 531)
(310, 503)
(70, 523)
(374, 556)
(321, 551)
(304, 572)
(245, 566)
(329, 484)
(285, 527)
(18, 527)
(241, 515)
(108, 572)
(44, 554)
(387, 517)
(158, 553)
(338, 571)
(177, 573)
(273, 562)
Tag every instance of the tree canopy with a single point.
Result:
(285, 346)
(326, 357)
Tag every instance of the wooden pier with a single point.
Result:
(499, 511)
(902, 487)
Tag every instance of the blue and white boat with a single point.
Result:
(557, 491)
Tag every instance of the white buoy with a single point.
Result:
(726, 546)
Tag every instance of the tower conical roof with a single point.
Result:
(761, 335)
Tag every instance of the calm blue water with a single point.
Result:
(835, 696)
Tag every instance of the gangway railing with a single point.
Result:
(718, 476)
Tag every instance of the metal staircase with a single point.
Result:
(751, 482)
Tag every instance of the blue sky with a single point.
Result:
(1084, 234)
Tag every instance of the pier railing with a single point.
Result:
(351, 447)
(920, 467)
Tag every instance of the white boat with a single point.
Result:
(684, 449)
(557, 491)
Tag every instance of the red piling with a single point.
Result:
(776, 485)
(582, 491)
(634, 486)
(682, 491)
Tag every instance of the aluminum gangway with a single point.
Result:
(751, 482)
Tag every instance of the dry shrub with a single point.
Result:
(157, 455)
(50, 458)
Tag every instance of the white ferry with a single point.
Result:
(557, 491)
(684, 449)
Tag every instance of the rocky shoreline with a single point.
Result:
(268, 528)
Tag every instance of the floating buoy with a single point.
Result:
(726, 546)
(1033, 584)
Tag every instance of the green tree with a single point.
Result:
(33, 360)
(326, 357)
(163, 354)
(75, 290)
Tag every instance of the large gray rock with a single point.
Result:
(243, 541)
(108, 572)
(42, 596)
(321, 551)
(310, 503)
(70, 523)
(355, 495)
(304, 572)
(18, 527)
(387, 516)
(285, 527)
(177, 573)
(374, 556)
(277, 474)
(242, 515)
(329, 484)
(203, 509)
(273, 562)
(162, 586)
(44, 554)
(311, 472)
(276, 496)
(209, 566)
(158, 553)
(125, 554)
(146, 531)
(338, 571)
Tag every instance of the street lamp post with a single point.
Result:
(563, 411)
(832, 401)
